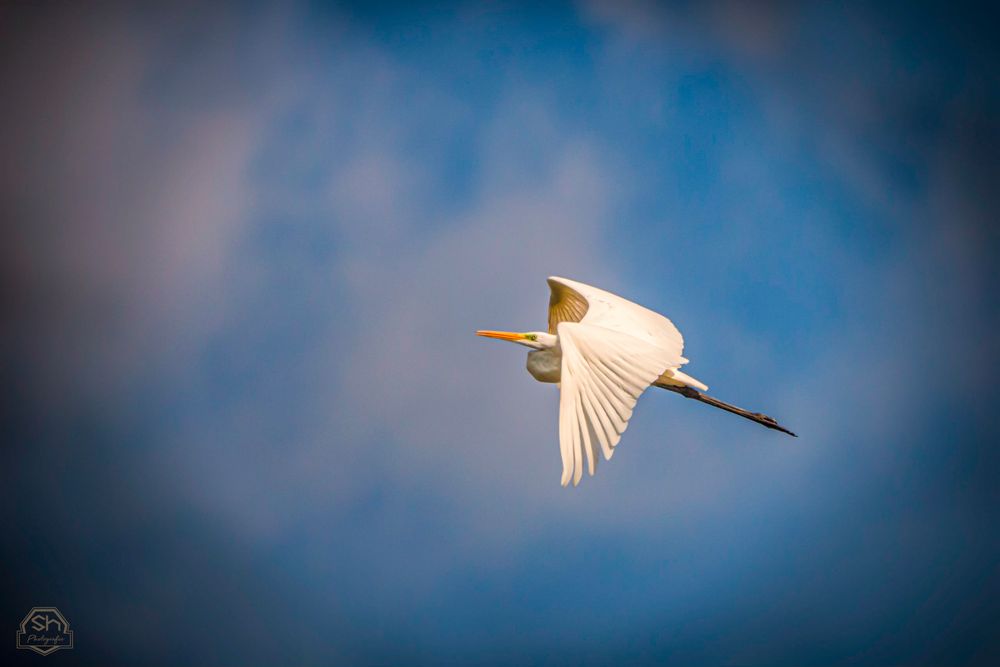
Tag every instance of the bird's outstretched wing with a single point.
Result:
(604, 371)
(571, 301)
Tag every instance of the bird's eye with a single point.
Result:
(531, 336)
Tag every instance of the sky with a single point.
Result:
(245, 418)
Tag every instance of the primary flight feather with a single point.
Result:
(604, 351)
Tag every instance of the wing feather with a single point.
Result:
(606, 435)
(603, 373)
(565, 439)
(612, 350)
(583, 425)
(565, 305)
(571, 301)
(611, 388)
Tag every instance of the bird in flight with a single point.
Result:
(603, 351)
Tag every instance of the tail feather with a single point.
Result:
(689, 381)
(676, 377)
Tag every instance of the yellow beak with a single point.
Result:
(502, 335)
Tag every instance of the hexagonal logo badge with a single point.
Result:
(44, 630)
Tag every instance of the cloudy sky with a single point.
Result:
(245, 420)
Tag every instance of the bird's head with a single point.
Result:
(537, 340)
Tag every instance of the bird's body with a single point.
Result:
(546, 365)
(604, 351)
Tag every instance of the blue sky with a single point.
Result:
(247, 422)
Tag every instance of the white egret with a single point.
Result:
(603, 351)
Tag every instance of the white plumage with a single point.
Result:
(611, 352)
(604, 351)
